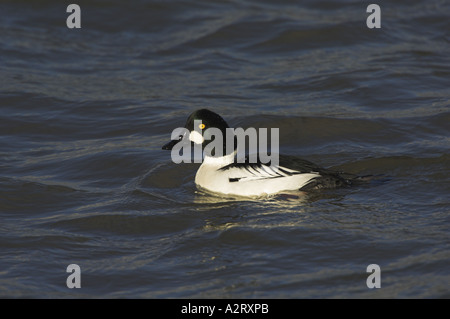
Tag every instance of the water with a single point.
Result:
(84, 113)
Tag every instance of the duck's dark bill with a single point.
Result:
(170, 145)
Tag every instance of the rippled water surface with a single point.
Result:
(84, 113)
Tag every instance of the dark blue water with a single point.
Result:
(83, 179)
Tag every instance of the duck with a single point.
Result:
(223, 173)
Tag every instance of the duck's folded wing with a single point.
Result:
(288, 166)
(240, 172)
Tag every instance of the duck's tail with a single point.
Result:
(332, 180)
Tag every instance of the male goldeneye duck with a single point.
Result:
(227, 175)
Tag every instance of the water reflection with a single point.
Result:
(203, 196)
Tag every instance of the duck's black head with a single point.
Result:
(208, 118)
(197, 125)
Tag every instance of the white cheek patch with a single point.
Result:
(196, 137)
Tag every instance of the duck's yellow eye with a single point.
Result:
(201, 126)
